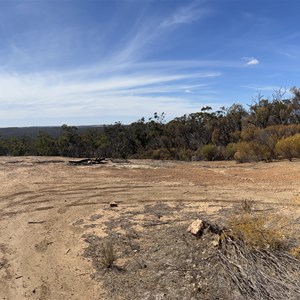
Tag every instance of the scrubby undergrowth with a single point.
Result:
(164, 261)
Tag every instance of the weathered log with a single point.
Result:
(88, 161)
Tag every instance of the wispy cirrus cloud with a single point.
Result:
(291, 51)
(130, 65)
(261, 87)
(135, 44)
(93, 94)
(123, 82)
(43, 87)
(191, 64)
(149, 31)
(187, 14)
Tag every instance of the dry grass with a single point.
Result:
(295, 201)
(261, 229)
(166, 262)
(247, 205)
(107, 256)
(295, 251)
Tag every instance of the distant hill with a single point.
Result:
(33, 131)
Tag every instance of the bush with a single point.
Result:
(185, 154)
(260, 230)
(162, 153)
(284, 149)
(230, 150)
(244, 152)
(252, 151)
(261, 152)
(107, 256)
(209, 152)
(289, 147)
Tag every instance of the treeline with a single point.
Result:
(268, 129)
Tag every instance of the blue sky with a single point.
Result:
(84, 62)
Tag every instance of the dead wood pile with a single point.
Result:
(97, 161)
(253, 273)
(89, 161)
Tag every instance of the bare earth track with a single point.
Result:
(47, 206)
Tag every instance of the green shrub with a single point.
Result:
(162, 153)
(209, 152)
(185, 154)
(244, 152)
(230, 150)
(289, 147)
(252, 151)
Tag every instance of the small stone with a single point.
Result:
(196, 227)
(215, 243)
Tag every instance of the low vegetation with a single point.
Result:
(267, 130)
(271, 229)
(261, 230)
(107, 256)
(252, 256)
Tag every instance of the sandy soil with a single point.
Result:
(47, 206)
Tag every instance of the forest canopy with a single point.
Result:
(267, 129)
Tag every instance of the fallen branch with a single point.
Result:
(157, 224)
(36, 222)
(88, 161)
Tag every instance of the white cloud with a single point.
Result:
(251, 61)
(190, 64)
(148, 31)
(27, 87)
(261, 87)
(86, 93)
(291, 51)
(293, 35)
(135, 43)
(186, 15)
(24, 88)
(124, 84)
